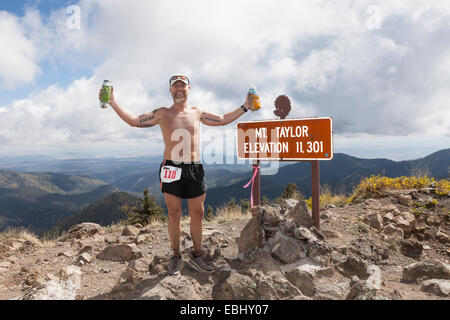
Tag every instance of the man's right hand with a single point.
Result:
(111, 99)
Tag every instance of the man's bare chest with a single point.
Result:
(189, 122)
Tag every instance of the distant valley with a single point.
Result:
(40, 200)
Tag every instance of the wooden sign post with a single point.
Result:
(305, 139)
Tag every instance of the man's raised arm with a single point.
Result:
(145, 120)
(213, 119)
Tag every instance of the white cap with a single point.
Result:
(179, 77)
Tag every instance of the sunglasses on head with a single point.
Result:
(176, 78)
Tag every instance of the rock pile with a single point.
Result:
(377, 249)
(295, 259)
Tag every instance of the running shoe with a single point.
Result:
(199, 264)
(176, 264)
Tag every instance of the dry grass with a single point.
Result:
(223, 214)
(114, 227)
(327, 197)
(156, 223)
(227, 214)
(23, 234)
(119, 226)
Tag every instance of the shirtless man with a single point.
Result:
(181, 173)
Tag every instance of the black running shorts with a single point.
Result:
(187, 184)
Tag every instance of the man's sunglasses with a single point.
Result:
(176, 78)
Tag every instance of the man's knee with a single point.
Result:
(197, 214)
(174, 214)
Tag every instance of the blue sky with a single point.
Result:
(52, 72)
(17, 7)
(381, 70)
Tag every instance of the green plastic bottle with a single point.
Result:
(106, 94)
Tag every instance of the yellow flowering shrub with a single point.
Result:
(443, 187)
(374, 186)
(339, 200)
(309, 202)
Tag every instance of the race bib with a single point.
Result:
(170, 174)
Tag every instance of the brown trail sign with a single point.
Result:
(291, 140)
(286, 140)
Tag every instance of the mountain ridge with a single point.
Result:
(39, 200)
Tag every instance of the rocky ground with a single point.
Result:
(395, 248)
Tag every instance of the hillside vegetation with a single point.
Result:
(389, 240)
(37, 201)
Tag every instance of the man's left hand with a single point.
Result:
(247, 102)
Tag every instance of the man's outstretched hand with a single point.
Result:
(247, 102)
(111, 99)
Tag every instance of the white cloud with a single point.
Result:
(388, 81)
(18, 55)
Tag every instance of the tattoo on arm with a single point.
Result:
(215, 120)
(144, 119)
(210, 119)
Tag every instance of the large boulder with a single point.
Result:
(428, 269)
(372, 204)
(408, 216)
(404, 199)
(252, 235)
(275, 286)
(134, 271)
(63, 288)
(326, 290)
(171, 288)
(362, 290)
(286, 249)
(235, 287)
(84, 258)
(374, 220)
(303, 280)
(270, 217)
(130, 231)
(388, 218)
(255, 285)
(83, 230)
(305, 274)
(159, 265)
(301, 214)
(354, 266)
(394, 232)
(260, 260)
(403, 224)
(438, 287)
(287, 204)
(411, 248)
(302, 233)
(390, 208)
(320, 252)
(120, 252)
(443, 237)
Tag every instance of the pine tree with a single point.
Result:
(151, 211)
(209, 213)
(245, 204)
(290, 191)
(232, 203)
(264, 200)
